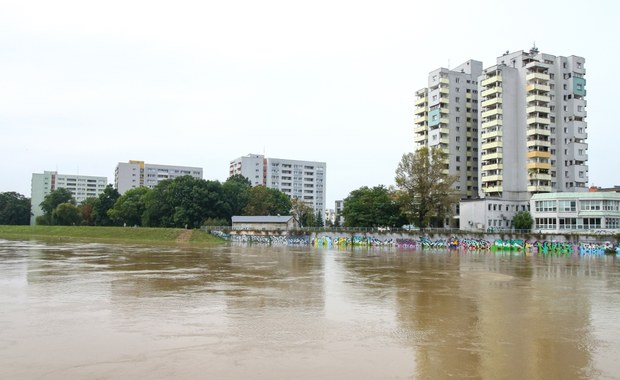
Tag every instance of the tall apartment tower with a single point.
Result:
(80, 186)
(305, 180)
(533, 126)
(133, 174)
(446, 115)
(251, 167)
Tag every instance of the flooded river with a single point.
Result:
(93, 311)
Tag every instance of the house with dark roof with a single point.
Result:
(267, 222)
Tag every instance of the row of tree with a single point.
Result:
(180, 202)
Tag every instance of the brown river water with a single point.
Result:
(95, 311)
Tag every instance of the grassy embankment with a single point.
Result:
(121, 235)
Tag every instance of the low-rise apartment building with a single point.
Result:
(133, 174)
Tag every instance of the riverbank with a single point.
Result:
(120, 235)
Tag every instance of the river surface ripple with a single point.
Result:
(95, 311)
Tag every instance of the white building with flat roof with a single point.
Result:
(305, 180)
(81, 186)
(576, 211)
(133, 174)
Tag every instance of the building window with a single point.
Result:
(612, 223)
(545, 206)
(568, 223)
(546, 223)
(590, 205)
(567, 206)
(591, 223)
(611, 205)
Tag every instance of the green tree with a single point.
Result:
(522, 221)
(184, 201)
(129, 208)
(265, 201)
(14, 209)
(319, 220)
(302, 212)
(372, 207)
(87, 208)
(235, 193)
(425, 191)
(67, 214)
(105, 202)
(51, 201)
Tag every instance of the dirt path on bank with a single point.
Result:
(185, 236)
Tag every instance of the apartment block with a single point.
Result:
(533, 126)
(532, 133)
(446, 116)
(81, 186)
(135, 174)
(305, 180)
(252, 166)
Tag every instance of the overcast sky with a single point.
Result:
(85, 85)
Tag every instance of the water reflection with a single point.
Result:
(107, 311)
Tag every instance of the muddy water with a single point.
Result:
(89, 311)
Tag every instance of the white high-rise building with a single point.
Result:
(446, 116)
(135, 174)
(532, 134)
(305, 180)
(533, 126)
(81, 186)
(251, 167)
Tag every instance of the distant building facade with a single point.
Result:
(304, 180)
(339, 209)
(330, 216)
(135, 174)
(81, 186)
